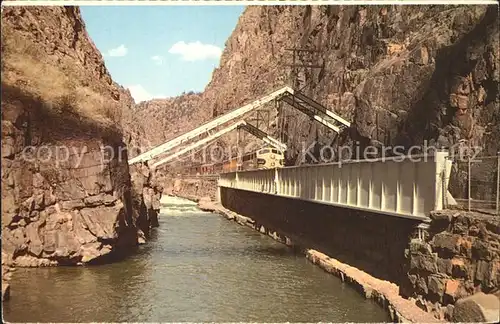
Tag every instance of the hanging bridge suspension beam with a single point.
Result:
(239, 125)
(294, 98)
(161, 149)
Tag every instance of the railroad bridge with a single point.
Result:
(409, 187)
(364, 210)
(402, 186)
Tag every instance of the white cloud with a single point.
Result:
(157, 59)
(140, 94)
(195, 51)
(119, 51)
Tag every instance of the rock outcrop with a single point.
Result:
(6, 276)
(401, 74)
(478, 308)
(191, 188)
(156, 120)
(459, 257)
(147, 191)
(66, 187)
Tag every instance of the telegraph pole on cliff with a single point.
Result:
(304, 62)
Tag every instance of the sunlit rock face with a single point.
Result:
(401, 74)
(66, 189)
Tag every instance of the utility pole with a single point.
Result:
(304, 61)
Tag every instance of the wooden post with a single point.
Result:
(468, 182)
(238, 155)
(276, 181)
(498, 184)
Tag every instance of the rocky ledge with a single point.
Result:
(66, 187)
(460, 257)
(6, 275)
(147, 191)
(65, 214)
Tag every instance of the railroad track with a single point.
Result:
(200, 177)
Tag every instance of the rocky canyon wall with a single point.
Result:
(401, 74)
(194, 189)
(67, 196)
(458, 258)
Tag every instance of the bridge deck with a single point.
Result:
(401, 188)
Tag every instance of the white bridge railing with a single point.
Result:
(402, 186)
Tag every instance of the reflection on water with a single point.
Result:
(197, 267)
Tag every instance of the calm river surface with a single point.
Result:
(198, 267)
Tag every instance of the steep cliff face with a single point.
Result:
(66, 189)
(146, 197)
(156, 120)
(400, 74)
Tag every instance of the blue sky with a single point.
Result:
(161, 51)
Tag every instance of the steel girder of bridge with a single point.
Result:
(296, 99)
(239, 125)
(208, 126)
(409, 186)
(198, 143)
(316, 111)
(263, 136)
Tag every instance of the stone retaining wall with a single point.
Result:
(460, 256)
(191, 187)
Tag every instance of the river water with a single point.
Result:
(198, 267)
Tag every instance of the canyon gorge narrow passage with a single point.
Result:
(198, 266)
